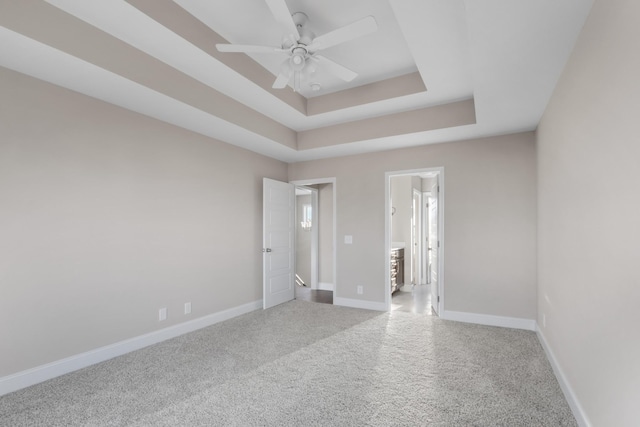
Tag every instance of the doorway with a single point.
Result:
(315, 240)
(306, 243)
(414, 234)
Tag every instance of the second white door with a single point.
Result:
(278, 260)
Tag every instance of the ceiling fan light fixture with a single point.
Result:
(298, 58)
(302, 46)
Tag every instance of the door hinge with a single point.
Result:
(438, 188)
(438, 243)
(438, 298)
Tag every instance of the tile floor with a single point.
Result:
(413, 299)
(409, 298)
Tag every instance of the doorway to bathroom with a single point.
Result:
(414, 240)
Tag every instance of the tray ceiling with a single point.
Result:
(435, 71)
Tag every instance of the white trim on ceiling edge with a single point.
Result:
(572, 400)
(490, 320)
(51, 370)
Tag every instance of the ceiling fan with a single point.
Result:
(301, 46)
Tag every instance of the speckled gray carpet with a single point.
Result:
(306, 364)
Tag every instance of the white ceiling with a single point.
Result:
(505, 55)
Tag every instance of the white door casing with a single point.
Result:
(278, 226)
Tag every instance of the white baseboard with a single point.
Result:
(73, 363)
(358, 303)
(574, 404)
(324, 286)
(490, 320)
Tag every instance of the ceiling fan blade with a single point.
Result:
(336, 69)
(280, 11)
(281, 80)
(247, 48)
(285, 74)
(352, 31)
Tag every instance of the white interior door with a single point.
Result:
(433, 248)
(278, 259)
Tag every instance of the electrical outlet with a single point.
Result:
(162, 314)
(348, 240)
(360, 290)
(187, 308)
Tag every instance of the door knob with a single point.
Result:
(266, 250)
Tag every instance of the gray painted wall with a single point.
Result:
(107, 215)
(401, 201)
(490, 254)
(589, 217)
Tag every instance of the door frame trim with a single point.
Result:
(332, 181)
(387, 231)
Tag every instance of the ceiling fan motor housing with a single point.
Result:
(306, 36)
